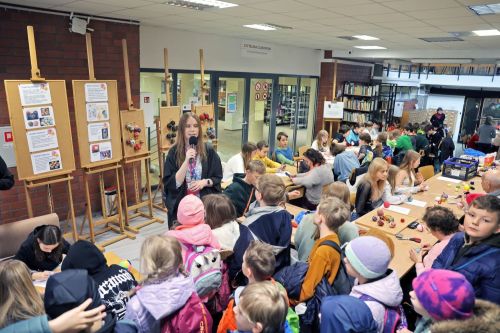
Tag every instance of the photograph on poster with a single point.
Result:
(42, 139)
(34, 94)
(97, 111)
(98, 131)
(46, 161)
(96, 92)
(100, 151)
(39, 116)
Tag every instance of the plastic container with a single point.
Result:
(460, 168)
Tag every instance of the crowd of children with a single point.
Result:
(228, 263)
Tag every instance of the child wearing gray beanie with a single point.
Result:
(367, 259)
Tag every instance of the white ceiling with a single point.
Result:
(315, 23)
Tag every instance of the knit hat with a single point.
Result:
(444, 294)
(67, 290)
(191, 211)
(369, 256)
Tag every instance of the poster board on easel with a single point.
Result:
(169, 122)
(39, 116)
(97, 122)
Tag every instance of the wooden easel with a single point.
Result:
(59, 103)
(167, 114)
(111, 222)
(208, 109)
(332, 125)
(131, 156)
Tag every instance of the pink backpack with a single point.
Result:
(193, 317)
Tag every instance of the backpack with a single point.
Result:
(204, 265)
(394, 317)
(193, 317)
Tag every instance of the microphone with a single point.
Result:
(193, 142)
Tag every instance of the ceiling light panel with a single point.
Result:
(486, 33)
(201, 4)
(365, 37)
(490, 9)
(264, 27)
(370, 47)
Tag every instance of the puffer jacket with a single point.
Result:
(484, 320)
(386, 290)
(479, 263)
(156, 301)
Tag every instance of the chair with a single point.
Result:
(352, 198)
(299, 158)
(12, 235)
(426, 171)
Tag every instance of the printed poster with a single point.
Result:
(42, 139)
(97, 111)
(96, 92)
(100, 151)
(39, 116)
(46, 161)
(98, 131)
(34, 94)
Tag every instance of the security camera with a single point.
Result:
(350, 51)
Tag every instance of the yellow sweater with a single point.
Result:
(324, 261)
(271, 166)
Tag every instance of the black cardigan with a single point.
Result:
(211, 168)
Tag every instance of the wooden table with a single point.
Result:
(367, 222)
(288, 183)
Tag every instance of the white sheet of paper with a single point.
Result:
(101, 151)
(97, 111)
(281, 174)
(417, 203)
(451, 180)
(38, 116)
(34, 94)
(98, 131)
(42, 139)
(46, 161)
(96, 92)
(400, 210)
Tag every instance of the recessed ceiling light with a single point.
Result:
(370, 47)
(265, 27)
(365, 37)
(200, 4)
(485, 33)
(493, 8)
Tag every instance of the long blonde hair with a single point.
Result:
(180, 143)
(391, 177)
(161, 257)
(319, 139)
(18, 297)
(377, 186)
(410, 157)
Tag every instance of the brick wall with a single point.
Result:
(62, 55)
(345, 72)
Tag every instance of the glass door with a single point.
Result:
(470, 116)
(304, 135)
(230, 107)
(260, 110)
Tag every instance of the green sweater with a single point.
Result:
(239, 192)
(404, 143)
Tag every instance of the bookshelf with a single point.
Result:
(361, 101)
(285, 114)
(387, 101)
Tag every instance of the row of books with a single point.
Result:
(356, 117)
(359, 104)
(351, 88)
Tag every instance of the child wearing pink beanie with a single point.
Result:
(192, 229)
(447, 303)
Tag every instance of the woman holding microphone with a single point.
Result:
(192, 166)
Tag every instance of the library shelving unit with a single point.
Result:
(360, 101)
(286, 111)
(387, 101)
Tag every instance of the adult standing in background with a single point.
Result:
(192, 166)
(437, 119)
(486, 133)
